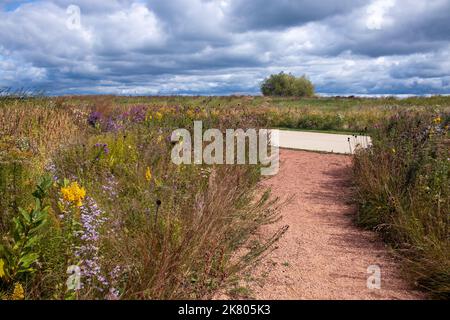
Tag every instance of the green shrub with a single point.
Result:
(287, 85)
(19, 249)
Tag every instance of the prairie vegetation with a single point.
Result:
(403, 191)
(87, 182)
(92, 186)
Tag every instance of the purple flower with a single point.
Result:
(113, 125)
(94, 118)
(114, 294)
(138, 113)
(110, 187)
(51, 167)
(104, 146)
(92, 218)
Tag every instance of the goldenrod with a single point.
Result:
(2, 270)
(437, 120)
(190, 114)
(158, 116)
(74, 194)
(18, 293)
(148, 174)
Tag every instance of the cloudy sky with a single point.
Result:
(224, 46)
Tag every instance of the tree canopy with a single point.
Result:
(287, 85)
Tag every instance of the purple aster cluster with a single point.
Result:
(92, 218)
(114, 275)
(114, 123)
(110, 124)
(137, 114)
(95, 118)
(110, 186)
(51, 168)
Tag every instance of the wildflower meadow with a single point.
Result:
(92, 207)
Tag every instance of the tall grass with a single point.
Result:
(403, 191)
(147, 229)
(141, 227)
(30, 131)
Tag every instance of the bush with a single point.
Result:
(287, 85)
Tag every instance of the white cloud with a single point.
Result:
(377, 12)
(133, 28)
(226, 46)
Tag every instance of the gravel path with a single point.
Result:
(322, 255)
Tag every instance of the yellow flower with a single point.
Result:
(18, 293)
(393, 150)
(158, 116)
(148, 174)
(2, 270)
(74, 194)
(190, 114)
(437, 120)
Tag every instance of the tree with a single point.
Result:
(287, 85)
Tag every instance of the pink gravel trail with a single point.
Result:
(323, 255)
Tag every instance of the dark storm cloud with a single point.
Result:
(267, 15)
(405, 27)
(225, 46)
